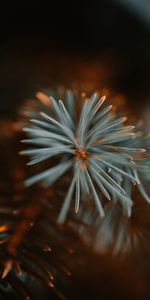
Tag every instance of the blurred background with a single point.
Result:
(97, 45)
(100, 44)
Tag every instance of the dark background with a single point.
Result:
(44, 44)
(101, 44)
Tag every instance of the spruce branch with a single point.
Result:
(91, 142)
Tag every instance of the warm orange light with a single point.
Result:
(43, 98)
(83, 95)
(3, 228)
